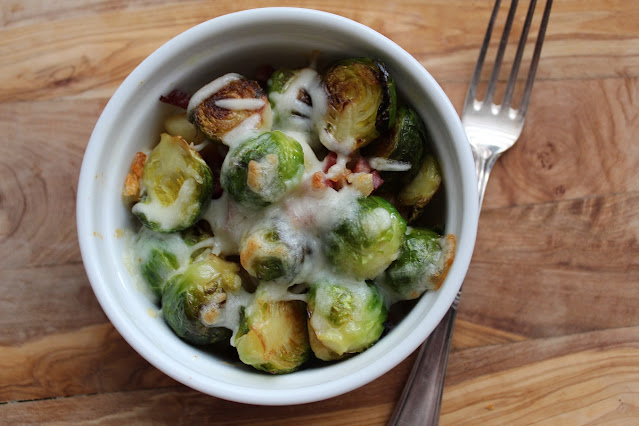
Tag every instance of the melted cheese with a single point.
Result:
(386, 165)
(338, 168)
(168, 216)
(344, 146)
(228, 222)
(200, 146)
(262, 174)
(376, 221)
(243, 130)
(235, 104)
(307, 211)
(295, 115)
(209, 90)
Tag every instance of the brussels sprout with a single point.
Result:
(157, 257)
(418, 192)
(366, 239)
(273, 336)
(260, 170)
(362, 103)
(423, 263)
(344, 318)
(222, 105)
(178, 186)
(404, 143)
(179, 125)
(158, 267)
(272, 253)
(193, 302)
(160, 255)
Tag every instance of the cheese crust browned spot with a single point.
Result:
(261, 173)
(437, 279)
(247, 253)
(212, 312)
(362, 182)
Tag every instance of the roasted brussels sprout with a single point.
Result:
(193, 302)
(157, 268)
(423, 263)
(260, 238)
(222, 105)
(179, 125)
(272, 253)
(273, 336)
(366, 239)
(418, 192)
(177, 186)
(157, 257)
(260, 170)
(344, 317)
(362, 103)
(404, 143)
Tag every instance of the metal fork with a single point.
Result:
(491, 130)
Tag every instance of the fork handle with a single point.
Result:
(421, 399)
(485, 158)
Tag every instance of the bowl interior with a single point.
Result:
(132, 121)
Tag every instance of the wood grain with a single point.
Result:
(548, 327)
(574, 265)
(583, 379)
(40, 161)
(82, 361)
(45, 60)
(473, 334)
(511, 383)
(37, 302)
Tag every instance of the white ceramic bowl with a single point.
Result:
(132, 120)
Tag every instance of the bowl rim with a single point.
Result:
(377, 367)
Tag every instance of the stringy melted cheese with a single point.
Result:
(307, 210)
(169, 216)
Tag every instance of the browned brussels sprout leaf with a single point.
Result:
(193, 302)
(272, 336)
(344, 317)
(403, 145)
(222, 105)
(177, 186)
(362, 104)
(418, 192)
(423, 263)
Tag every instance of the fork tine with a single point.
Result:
(512, 79)
(474, 82)
(523, 107)
(490, 91)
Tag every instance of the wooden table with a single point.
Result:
(548, 326)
